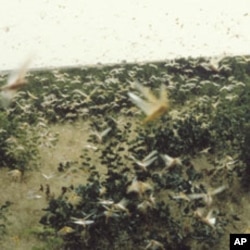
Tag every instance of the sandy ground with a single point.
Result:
(64, 33)
(25, 212)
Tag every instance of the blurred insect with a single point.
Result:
(33, 196)
(32, 96)
(121, 205)
(102, 190)
(207, 197)
(147, 204)
(227, 163)
(154, 245)
(16, 80)
(154, 107)
(101, 135)
(84, 222)
(114, 210)
(89, 146)
(147, 160)
(205, 150)
(88, 97)
(74, 199)
(209, 219)
(106, 202)
(227, 88)
(47, 177)
(65, 230)
(181, 196)
(170, 161)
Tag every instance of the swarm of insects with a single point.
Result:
(133, 170)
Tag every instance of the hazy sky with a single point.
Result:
(79, 32)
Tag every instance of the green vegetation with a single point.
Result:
(3, 218)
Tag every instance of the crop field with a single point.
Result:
(131, 156)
